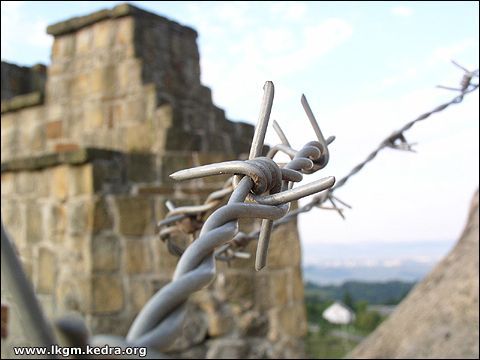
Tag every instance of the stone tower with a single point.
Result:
(87, 147)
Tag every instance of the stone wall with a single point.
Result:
(21, 80)
(85, 179)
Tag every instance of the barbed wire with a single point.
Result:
(261, 190)
(396, 140)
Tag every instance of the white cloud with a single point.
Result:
(265, 53)
(404, 11)
(452, 51)
(19, 29)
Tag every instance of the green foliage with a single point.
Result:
(367, 321)
(347, 299)
(324, 346)
(326, 343)
(360, 306)
(389, 293)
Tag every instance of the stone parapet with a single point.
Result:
(85, 176)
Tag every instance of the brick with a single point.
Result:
(105, 253)
(37, 138)
(279, 287)
(284, 249)
(60, 182)
(80, 180)
(102, 217)
(46, 272)
(238, 287)
(84, 40)
(165, 260)
(7, 184)
(34, 223)
(124, 31)
(296, 282)
(66, 147)
(56, 222)
(107, 294)
(140, 289)
(135, 215)
(94, 117)
(25, 183)
(102, 34)
(129, 74)
(141, 167)
(138, 138)
(78, 218)
(63, 47)
(53, 129)
(81, 85)
(137, 257)
(103, 80)
(73, 294)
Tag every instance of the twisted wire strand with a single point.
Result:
(242, 239)
(397, 134)
(161, 319)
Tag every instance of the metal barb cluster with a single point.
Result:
(395, 140)
(261, 190)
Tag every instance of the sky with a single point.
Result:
(366, 68)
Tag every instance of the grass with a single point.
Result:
(322, 345)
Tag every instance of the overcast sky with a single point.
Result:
(366, 69)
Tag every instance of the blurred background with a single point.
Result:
(366, 69)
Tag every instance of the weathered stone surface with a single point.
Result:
(286, 321)
(284, 249)
(56, 220)
(21, 80)
(141, 167)
(238, 287)
(137, 257)
(219, 324)
(194, 332)
(440, 317)
(80, 180)
(49, 160)
(254, 323)
(7, 184)
(279, 287)
(66, 147)
(108, 293)
(135, 215)
(60, 182)
(105, 253)
(102, 217)
(78, 217)
(73, 294)
(141, 291)
(34, 223)
(227, 349)
(296, 282)
(22, 101)
(129, 81)
(46, 272)
(54, 129)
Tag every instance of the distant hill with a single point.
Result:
(373, 271)
(390, 292)
(439, 319)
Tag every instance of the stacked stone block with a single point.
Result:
(85, 179)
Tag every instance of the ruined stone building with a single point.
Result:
(87, 145)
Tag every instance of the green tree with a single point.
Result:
(347, 300)
(367, 321)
